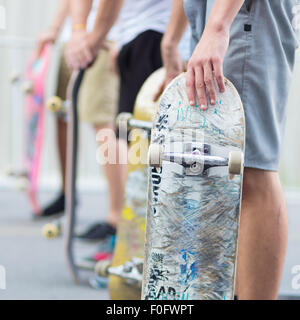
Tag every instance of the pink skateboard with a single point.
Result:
(34, 87)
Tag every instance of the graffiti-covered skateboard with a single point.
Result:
(194, 200)
(125, 271)
(34, 88)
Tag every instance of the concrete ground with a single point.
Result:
(36, 267)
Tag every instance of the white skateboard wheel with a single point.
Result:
(101, 268)
(123, 121)
(9, 172)
(22, 184)
(54, 104)
(15, 77)
(50, 231)
(28, 87)
(154, 155)
(235, 163)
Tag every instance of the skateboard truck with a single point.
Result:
(131, 271)
(196, 159)
(125, 121)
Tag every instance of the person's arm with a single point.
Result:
(172, 60)
(83, 49)
(206, 63)
(51, 34)
(80, 10)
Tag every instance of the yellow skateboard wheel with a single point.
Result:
(54, 104)
(51, 231)
(101, 268)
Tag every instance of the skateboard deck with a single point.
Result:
(194, 197)
(131, 231)
(71, 171)
(34, 88)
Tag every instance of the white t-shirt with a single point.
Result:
(67, 29)
(138, 16)
(142, 15)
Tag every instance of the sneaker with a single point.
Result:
(98, 283)
(57, 207)
(98, 232)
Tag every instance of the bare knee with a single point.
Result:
(262, 187)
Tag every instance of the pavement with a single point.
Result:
(36, 268)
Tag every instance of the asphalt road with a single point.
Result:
(36, 267)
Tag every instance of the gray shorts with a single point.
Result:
(259, 62)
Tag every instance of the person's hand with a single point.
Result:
(47, 37)
(173, 64)
(206, 66)
(82, 49)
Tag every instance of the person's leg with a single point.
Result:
(116, 176)
(263, 236)
(62, 150)
(97, 106)
(57, 206)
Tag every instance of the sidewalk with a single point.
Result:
(36, 267)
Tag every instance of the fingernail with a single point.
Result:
(203, 107)
(192, 103)
(212, 101)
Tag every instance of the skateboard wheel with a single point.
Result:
(123, 121)
(9, 172)
(235, 163)
(51, 231)
(154, 155)
(54, 104)
(28, 87)
(101, 268)
(23, 184)
(15, 77)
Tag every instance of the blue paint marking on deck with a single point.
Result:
(191, 204)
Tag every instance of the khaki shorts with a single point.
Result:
(99, 92)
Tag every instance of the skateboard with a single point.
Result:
(71, 173)
(125, 270)
(69, 110)
(34, 89)
(194, 197)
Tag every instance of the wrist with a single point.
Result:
(167, 45)
(97, 37)
(79, 27)
(54, 29)
(218, 26)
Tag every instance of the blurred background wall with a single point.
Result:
(25, 19)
